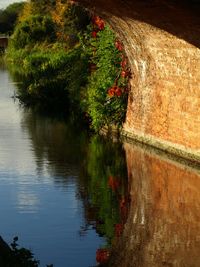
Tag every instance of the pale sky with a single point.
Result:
(5, 3)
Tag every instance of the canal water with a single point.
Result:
(75, 199)
(53, 178)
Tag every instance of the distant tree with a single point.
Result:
(9, 16)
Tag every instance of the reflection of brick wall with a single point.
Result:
(162, 41)
(163, 224)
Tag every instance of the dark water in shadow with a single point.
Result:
(54, 184)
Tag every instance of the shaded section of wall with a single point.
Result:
(162, 40)
(163, 223)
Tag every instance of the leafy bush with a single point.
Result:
(87, 69)
(108, 84)
(53, 78)
(34, 29)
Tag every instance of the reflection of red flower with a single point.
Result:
(124, 208)
(113, 183)
(118, 229)
(122, 203)
(102, 255)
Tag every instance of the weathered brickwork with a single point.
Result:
(162, 42)
(165, 89)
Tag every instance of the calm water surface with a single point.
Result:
(67, 196)
(48, 187)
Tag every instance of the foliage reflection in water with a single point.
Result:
(61, 187)
(101, 175)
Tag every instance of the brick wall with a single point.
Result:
(162, 42)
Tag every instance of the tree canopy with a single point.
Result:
(9, 16)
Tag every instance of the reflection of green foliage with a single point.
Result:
(14, 256)
(56, 141)
(106, 159)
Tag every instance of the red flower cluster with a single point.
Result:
(94, 34)
(98, 25)
(119, 45)
(123, 62)
(98, 22)
(125, 73)
(102, 255)
(115, 91)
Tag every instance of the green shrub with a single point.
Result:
(91, 73)
(36, 28)
(52, 77)
(107, 89)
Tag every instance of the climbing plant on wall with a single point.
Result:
(107, 88)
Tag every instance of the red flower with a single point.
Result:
(124, 74)
(94, 34)
(119, 45)
(123, 63)
(111, 91)
(102, 255)
(99, 22)
(101, 25)
(118, 91)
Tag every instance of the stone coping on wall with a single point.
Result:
(162, 145)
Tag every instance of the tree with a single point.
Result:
(43, 6)
(35, 29)
(9, 17)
